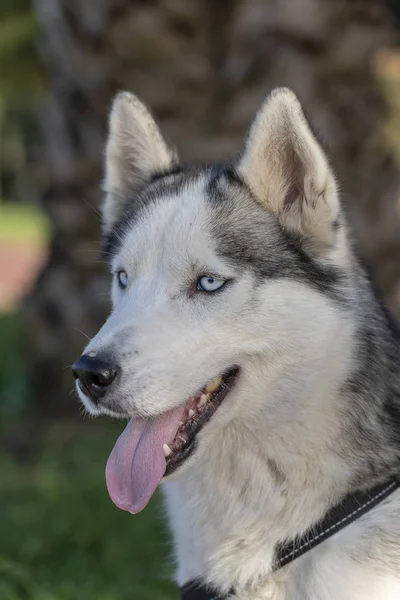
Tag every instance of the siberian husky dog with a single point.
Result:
(257, 365)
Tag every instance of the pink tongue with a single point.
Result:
(137, 463)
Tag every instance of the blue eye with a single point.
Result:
(122, 278)
(208, 283)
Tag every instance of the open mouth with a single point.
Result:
(149, 449)
(198, 411)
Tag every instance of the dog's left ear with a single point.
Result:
(288, 173)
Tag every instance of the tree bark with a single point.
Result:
(203, 67)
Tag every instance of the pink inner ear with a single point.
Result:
(295, 174)
(291, 196)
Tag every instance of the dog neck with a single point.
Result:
(279, 465)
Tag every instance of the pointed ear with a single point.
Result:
(135, 151)
(288, 173)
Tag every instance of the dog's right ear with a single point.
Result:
(135, 151)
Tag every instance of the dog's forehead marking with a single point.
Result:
(173, 229)
(211, 218)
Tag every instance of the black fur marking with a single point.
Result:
(219, 172)
(165, 184)
(175, 170)
(251, 238)
(373, 388)
(267, 249)
(162, 184)
(109, 244)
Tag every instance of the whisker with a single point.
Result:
(83, 333)
(117, 234)
(94, 251)
(223, 384)
(95, 210)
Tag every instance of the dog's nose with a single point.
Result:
(94, 376)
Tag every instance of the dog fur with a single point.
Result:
(315, 413)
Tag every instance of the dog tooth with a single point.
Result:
(191, 413)
(203, 399)
(167, 450)
(213, 385)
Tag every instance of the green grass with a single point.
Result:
(22, 223)
(61, 538)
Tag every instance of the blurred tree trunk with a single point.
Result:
(203, 67)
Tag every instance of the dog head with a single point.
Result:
(220, 274)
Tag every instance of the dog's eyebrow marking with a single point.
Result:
(162, 183)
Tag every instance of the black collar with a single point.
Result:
(348, 510)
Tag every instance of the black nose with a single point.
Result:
(94, 376)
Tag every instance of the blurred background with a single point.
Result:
(203, 67)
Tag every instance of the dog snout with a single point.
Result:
(95, 376)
